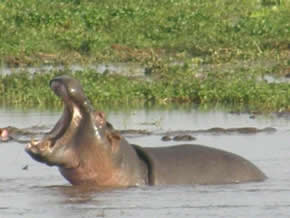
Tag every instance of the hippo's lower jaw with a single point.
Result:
(37, 150)
(51, 149)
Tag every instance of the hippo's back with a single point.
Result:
(196, 164)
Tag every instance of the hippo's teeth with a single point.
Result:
(97, 131)
(28, 146)
(77, 116)
(34, 142)
(46, 146)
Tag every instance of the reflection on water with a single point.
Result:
(40, 191)
(127, 69)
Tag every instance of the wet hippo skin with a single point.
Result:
(197, 164)
(87, 150)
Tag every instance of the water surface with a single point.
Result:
(30, 189)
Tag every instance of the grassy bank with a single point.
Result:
(70, 31)
(178, 86)
(231, 45)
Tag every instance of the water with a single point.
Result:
(126, 69)
(30, 189)
(137, 70)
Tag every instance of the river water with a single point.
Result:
(33, 190)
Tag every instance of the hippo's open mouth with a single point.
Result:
(52, 147)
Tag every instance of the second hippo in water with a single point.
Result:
(89, 151)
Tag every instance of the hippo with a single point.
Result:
(89, 151)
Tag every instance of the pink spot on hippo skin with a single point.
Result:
(4, 135)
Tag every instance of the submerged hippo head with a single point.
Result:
(82, 144)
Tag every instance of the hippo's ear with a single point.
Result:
(100, 118)
(114, 140)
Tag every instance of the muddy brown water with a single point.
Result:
(30, 189)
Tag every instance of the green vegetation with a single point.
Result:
(224, 49)
(179, 86)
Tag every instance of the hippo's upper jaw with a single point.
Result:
(59, 146)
